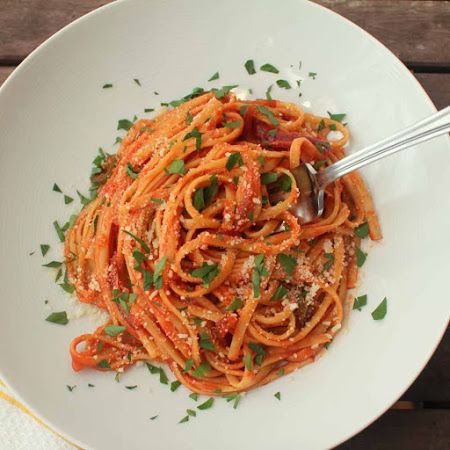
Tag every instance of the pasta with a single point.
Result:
(192, 248)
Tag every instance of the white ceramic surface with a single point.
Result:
(53, 116)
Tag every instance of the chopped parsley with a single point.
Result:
(223, 91)
(269, 68)
(360, 257)
(250, 66)
(71, 388)
(312, 75)
(214, 77)
(130, 388)
(58, 317)
(277, 395)
(286, 183)
(280, 372)
(330, 260)
(258, 272)
(124, 124)
(136, 80)
(206, 405)
(362, 230)
(103, 364)
(184, 419)
(233, 159)
(259, 352)
(56, 188)
(158, 201)
(380, 311)
(157, 276)
(67, 199)
(243, 110)
(114, 330)
(147, 110)
(269, 177)
(60, 230)
(44, 249)
(287, 262)
(205, 342)
(233, 124)
(279, 293)
(359, 302)
(337, 117)
(195, 133)
(177, 166)
(153, 417)
(207, 273)
(189, 118)
(139, 240)
(283, 84)
(194, 396)
(175, 385)
(130, 172)
(268, 113)
(189, 364)
(191, 412)
(268, 91)
(235, 304)
(107, 86)
(203, 368)
(247, 360)
(321, 126)
(235, 398)
(53, 264)
(205, 195)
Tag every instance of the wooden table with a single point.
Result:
(418, 32)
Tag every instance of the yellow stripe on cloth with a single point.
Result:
(19, 405)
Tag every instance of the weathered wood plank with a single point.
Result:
(437, 86)
(5, 72)
(416, 429)
(417, 31)
(24, 24)
(433, 384)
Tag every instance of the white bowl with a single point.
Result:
(53, 116)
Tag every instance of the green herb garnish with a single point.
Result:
(269, 177)
(206, 405)
(277, 395)
(207, 273)
(268, 113)
(177, 166)
(107, 86)
(362, 230)
(360, 257)
(359, 302)
(214, 77)
(56, 188)
(124, 124)
(44, 249)
(114, 330)
(279, 293)
(233, 159)
(269, 68)
(250, 66)
(283, 84)
(337, 117)
(205, 342)
(235, 304)
(58, 317)
(287, 262)
(130, 172)
(330, 260)
(195, 133)
(380, 311)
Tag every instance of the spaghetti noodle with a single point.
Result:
(192, 249)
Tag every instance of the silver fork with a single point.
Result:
(310, 208)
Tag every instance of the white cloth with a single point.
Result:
(19, 431)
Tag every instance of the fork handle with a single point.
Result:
(428, 128)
